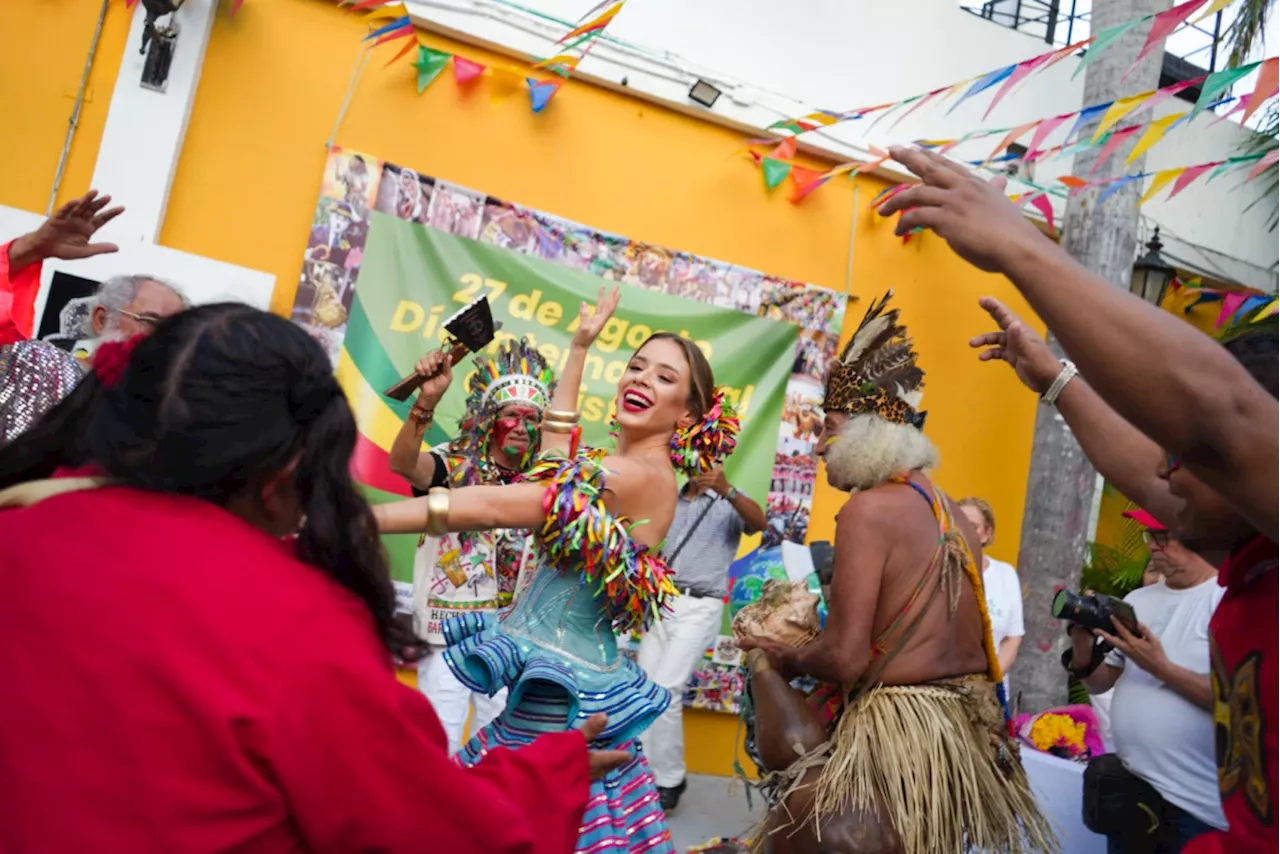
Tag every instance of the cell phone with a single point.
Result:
(1124, 612)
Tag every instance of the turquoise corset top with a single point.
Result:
(559, 612)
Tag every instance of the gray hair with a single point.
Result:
(118, 291)
(871, 451)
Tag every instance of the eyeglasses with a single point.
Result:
(1156, 538)
(146, 319)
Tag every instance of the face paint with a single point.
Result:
(508, 428)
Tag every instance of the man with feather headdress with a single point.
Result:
(918, 747)
(472, 571)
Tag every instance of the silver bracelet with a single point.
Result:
(1066, 375)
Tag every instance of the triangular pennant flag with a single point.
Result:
(1062, 53)
(918, 104)
(786, 149)
(1241, 103)
(1271, 157)
(409, 45)
(596, 24)
(887, 194)
(1218, 6)
(540, 95)
(892, 110)
(1230, 163)
(1116, 139)
(1267, 86)
(1164, 24)
(430, 63)
(1155, 132)
(775, 172)
(953, 143)
(503, 83)
(1012, 136)
(1271, 309)
(1042, 204)
(1105, 39)
(1230, 303)
(1085, 116)
(1118, 185)
(390, 29)
(1162, 178)
(983, 83)
(1117, 111)
(1020, 73)
(1168, 92)
(1188, 177)
(1046, 127)
(1253, 303)
(465, 70)
(806, 181)
(1074, 182)
(1219, 82)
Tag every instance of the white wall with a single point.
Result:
(775, 60)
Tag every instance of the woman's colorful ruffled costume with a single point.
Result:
(556, 652)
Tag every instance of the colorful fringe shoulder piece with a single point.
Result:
(580, 533)
(708, 443)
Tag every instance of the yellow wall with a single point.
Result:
(43, 47)
(274, 80)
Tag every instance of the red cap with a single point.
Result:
(1142, 517)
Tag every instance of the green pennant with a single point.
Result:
(1232, 162)
(1217, 83)
(430, 63)
(775, 172)
(1105, 39)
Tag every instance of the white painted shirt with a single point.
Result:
(1160, 735)
(1004, 600)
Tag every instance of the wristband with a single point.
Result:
(421, 416)
(437, 511)
(1066, 375)
(733, 493)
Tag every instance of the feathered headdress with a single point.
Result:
(517, 374)
(877, 372)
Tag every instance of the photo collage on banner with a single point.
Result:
(354, 184)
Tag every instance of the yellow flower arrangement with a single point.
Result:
(1056, 730)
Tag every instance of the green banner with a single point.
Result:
(412, 277)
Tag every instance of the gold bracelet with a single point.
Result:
(438, 511)
(562, 415)
(551, 426)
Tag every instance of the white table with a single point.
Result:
(1058, 785)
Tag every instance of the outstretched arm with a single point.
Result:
(407, 458)
(591, 321)
(1172, 382)
(1117, 449)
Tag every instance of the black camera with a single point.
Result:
(1094, 611)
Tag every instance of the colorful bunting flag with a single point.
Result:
(1267, 87)
(394, 29)
(1013, 136)
(1271, 157)
(1022, 72)
(1104, 39)
(1045, 128)
(596, 25)
(466, 70)
(1155, 132)
(984, 83)
(1230, 304)
(1159, 182)
(430, 63)
(1045, 206)
(1119, 184)
(1164, 24)
(1271, 309)
(1215, 8)
(1188, 177)
(786, 149)
(540, 93)
(775, 172)
(1118, 110)
(1085, 116)
(1116, 140)
(1218, 82)
(503, 83)
(806, 181)
(918, 104)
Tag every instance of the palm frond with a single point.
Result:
(1247, 29)
(1262, 139)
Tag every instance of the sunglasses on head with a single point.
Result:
(1158, 538)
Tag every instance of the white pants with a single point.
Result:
(453, 700)
(669, 653)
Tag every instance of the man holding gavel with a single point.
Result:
(496, 440)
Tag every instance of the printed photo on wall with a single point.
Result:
(338, 234)
(788, 517)
(794, 475)
(692, 277)
(404, 193)
(511, 227)
(814, 352)
(456, 210)
(352, 178)
(648, 266)
(801, 416)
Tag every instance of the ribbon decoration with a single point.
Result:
(1164, 24)
(1181, 176)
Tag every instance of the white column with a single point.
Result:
(145, 128)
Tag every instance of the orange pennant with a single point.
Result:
(1268, 86)
(786, 149)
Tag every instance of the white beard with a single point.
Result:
(871, 451)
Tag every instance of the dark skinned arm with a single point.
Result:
(407, 458)
(1172, 382)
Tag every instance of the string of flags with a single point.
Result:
(1009, 76)
(1239, 306)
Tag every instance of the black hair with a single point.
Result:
(1258, 351)
(219, 399)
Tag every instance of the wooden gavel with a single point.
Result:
(404, 388)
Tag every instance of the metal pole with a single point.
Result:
(1213, 48)
(1051, 28)
(75, 112)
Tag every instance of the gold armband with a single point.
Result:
(552, 426)
(437, 511)
(562, 415)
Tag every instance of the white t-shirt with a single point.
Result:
(1004, 604)
(1160, 735)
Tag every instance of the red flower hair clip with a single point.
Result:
(112, 358)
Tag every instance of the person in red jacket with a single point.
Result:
(198, 627)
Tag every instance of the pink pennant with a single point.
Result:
(1188, 177)
(786, 149)
(1230, 305)
(465, 70)
(1240, 105)
(1164, 24)
(1022, 72)
(1271, 157)
(1117, 139)
(1268, 86)
(1012, 136)
(1047, 127)
(918, 104)
(1042, 204)
(1168, 92)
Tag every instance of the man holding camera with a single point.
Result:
(1162, 709)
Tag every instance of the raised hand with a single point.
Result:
(972, 215)
(432, 390)
(591, 319)
(602, 761)
(1019, 345)
(67, 233)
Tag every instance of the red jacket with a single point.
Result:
(175, 681)
(17, 299)
(1243, 648)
